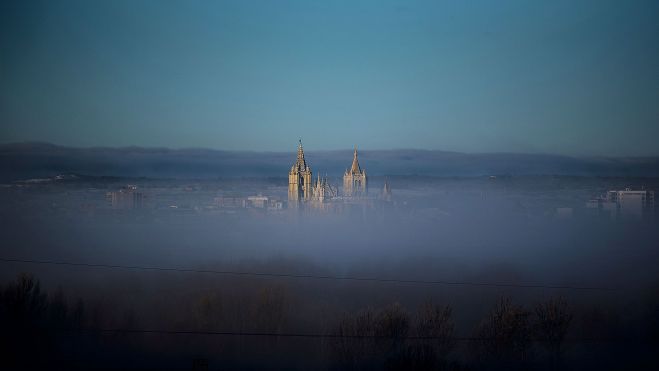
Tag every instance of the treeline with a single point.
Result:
(43, 330)
(395, 339)
(33, 322)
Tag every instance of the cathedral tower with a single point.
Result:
(354, 179)
(299, 179)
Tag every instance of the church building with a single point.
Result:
(320, 194)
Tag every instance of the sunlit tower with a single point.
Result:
(299, 179)
(354, 179)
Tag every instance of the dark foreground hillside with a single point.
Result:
(229, 325)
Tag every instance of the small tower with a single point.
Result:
(354, 179)
(299, 179)
(386, 192)
(319, 190)
(322, 190)
(323, 193)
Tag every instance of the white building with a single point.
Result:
(127, 198)
(633, 203)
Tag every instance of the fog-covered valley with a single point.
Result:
(184, 262)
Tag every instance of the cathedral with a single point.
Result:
(301, 188)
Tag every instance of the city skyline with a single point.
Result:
(554, 77)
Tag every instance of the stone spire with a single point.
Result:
(300, 164)
(355, 169)
(386, 191)
(354, 179)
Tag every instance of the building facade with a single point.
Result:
(127, 198)
(633, 203)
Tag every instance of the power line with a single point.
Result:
(240, 333)
(320, 336)
(303, 276)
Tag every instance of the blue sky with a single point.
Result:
(566, 77)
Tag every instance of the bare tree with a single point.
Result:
(434, 338)
(376, 339)
(552, 322)
(434, 323)
(503, 338)
(369, 339)
(271, 309)
(23, 301)
(354, 343)
(23, 316)
(58, 309)
(392, 325)
(208, 311)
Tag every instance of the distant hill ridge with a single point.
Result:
(26, 160)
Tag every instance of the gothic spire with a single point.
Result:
(355, 169)
(301, 164)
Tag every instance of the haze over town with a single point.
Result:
(363, 185)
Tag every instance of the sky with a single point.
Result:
(563, 77)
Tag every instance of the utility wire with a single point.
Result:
(303, 276)
(321, 336)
